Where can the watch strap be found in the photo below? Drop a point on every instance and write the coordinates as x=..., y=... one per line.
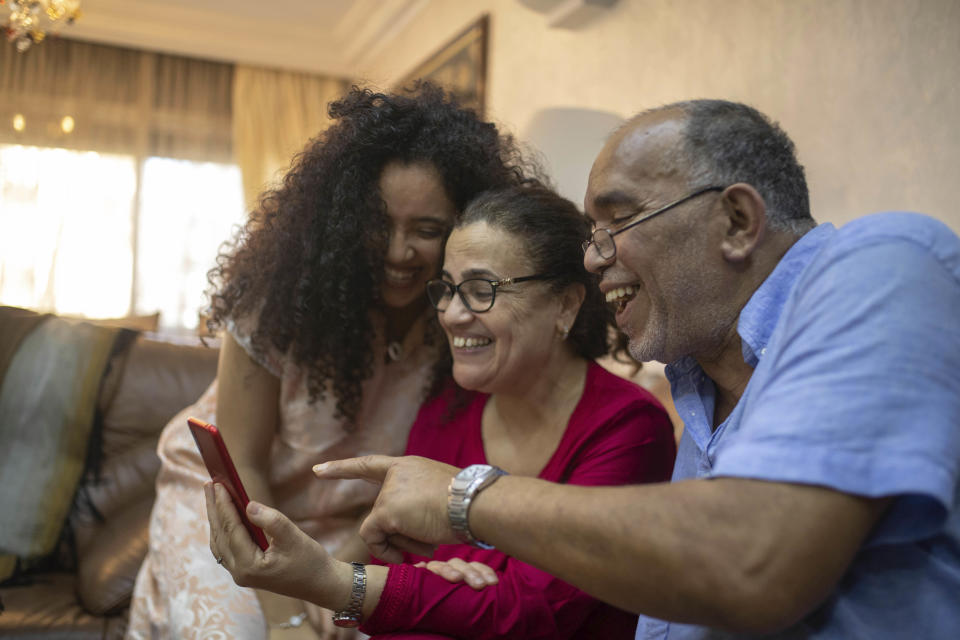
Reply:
x=350, y=616
x=463, y=489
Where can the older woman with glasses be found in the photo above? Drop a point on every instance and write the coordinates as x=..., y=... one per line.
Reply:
x=326, y=350
x=524, y=321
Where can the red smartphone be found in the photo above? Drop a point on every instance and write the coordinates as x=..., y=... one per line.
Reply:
x=214, y=452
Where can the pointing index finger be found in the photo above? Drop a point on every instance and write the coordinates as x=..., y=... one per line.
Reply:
x=370, y=468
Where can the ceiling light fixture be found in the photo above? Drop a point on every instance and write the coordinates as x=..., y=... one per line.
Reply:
x=29, y=21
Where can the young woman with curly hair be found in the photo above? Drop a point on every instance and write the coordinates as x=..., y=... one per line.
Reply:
x=327, y=351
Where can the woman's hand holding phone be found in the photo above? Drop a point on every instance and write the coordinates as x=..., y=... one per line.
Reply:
x=217, y=459
x=294, y=564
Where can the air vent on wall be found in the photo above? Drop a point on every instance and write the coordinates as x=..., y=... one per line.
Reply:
x=568, y=14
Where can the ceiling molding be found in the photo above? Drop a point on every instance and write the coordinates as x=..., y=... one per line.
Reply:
x=376, y=30
x=331, y=37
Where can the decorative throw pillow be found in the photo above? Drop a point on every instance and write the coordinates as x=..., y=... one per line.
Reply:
x=47, y=403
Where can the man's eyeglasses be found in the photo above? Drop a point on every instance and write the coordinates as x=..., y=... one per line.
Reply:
x=602, y=239
x=477, y=294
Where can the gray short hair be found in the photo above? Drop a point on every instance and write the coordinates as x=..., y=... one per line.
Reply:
x=728, y=142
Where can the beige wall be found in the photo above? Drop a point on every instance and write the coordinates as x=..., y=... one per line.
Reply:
x=868, y=89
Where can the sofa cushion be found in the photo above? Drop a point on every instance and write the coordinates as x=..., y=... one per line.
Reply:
x=47, y=608
x=108, y=566
x=148, y=322
x=124, y=478
x=159, y=380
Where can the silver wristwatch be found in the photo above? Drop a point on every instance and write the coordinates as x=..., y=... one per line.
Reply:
x=350, y=617
x=463, y=489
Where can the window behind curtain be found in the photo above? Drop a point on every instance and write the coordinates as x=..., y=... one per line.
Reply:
x=74, y=236
x=187, y=210
x=65, y=229
x=68, y=220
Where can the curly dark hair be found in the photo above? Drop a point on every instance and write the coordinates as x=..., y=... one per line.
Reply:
x=309, y=261
x=552, y=231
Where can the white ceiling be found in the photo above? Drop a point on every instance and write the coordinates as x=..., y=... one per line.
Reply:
x=335, y=37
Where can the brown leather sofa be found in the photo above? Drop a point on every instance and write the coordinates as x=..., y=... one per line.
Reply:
x=87, y=596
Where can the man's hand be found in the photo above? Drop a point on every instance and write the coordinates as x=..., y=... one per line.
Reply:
x=410, y=513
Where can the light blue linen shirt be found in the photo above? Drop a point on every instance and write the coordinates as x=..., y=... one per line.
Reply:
x=855, y=343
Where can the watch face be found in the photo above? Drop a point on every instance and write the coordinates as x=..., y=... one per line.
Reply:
x=469, y=475
x=474, y=471
x=349, y=623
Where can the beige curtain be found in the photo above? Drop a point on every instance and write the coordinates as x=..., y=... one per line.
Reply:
x=72, y=223
x=275, y=113
x=121, y=101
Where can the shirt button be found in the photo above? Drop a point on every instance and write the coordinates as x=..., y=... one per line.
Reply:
x=763, y=351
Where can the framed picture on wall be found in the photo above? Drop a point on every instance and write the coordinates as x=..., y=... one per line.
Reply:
x=460, y=66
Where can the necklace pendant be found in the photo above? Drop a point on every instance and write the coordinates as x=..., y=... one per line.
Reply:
x=394, y=351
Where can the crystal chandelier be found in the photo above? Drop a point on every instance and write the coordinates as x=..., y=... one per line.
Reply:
x=29, y=21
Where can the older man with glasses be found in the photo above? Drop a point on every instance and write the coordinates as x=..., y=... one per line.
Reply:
x=817, y=487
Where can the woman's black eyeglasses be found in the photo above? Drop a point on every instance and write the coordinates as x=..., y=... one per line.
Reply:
x=602, y=239
x=477, y=294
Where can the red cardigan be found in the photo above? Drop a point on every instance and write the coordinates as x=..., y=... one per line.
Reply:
x=618, y=434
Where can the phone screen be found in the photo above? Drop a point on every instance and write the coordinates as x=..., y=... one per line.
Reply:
x=215, y=456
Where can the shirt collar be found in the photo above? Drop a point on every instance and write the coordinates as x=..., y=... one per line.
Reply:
x=761, y=313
